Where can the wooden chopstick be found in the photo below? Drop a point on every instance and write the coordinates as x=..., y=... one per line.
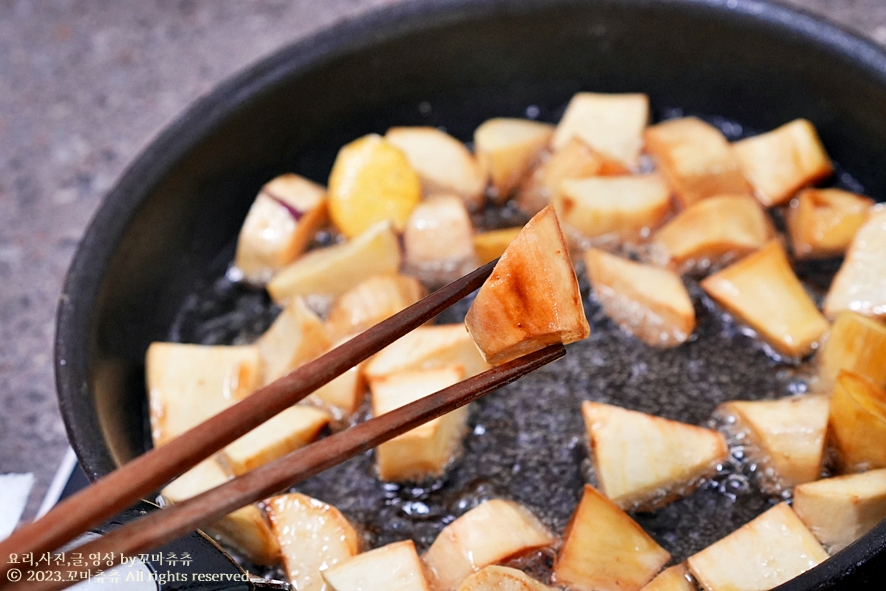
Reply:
x=152, y=470
x=164, y=526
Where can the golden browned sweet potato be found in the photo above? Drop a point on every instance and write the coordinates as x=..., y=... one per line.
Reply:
x=823, y=222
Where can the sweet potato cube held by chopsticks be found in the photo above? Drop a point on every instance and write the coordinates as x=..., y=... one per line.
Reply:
x=780, y=162
x=773, y=548
x=763, y=291
x=532, y=299
x=788, y=435
x=712, y=232
x=487, y=534
x=643, y=461
x=281, y=223
x=696, y=159
x=443, y=163
x=624, y=207
x=840, y=510
x=427, y=449
x=858, y=423
x=395, y=567
x=313, y=537
x=646, y=301
x=823, y=222
x=860, y=284
x=606, y=550
x=611, y=124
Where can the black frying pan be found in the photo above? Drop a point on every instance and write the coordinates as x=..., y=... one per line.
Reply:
x=165, y=233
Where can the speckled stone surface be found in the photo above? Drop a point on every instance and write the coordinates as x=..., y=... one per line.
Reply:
x=84, y=86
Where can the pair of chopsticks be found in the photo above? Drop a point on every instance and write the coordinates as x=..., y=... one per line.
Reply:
x=151, y=471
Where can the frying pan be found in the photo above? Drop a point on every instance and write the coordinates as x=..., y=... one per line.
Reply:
x=167, y=229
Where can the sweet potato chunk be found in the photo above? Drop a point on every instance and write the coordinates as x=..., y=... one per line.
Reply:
x=823, y=222
x=372, y=301
x=188, y=384
x=856, y=343
x=860, y=284
x=487, y=534
x=245, y=529
x=427, y=449
x=626, y=207
x=395, y=567
x=611, y=124
x=675, y=578
x=840, y=510
x=313, y=537
x=712, y=232
x=428, y=347
x=280, y=224
x=491, y=245
x=858, y=423
x=696, y=159
x=506, y=150
x=782, y=161
x=296, y=337
x=519, y=309
x=334, y=270
x=645, y=301
x=773, y=548
x=789, y=434
x=501, y=578
x=762, y=291
x=606, y=550
x=644, y=461
x=576, y=160
x=438, y=241
x=442, y=162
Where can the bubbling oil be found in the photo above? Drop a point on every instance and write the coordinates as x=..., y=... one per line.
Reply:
x=526, y=442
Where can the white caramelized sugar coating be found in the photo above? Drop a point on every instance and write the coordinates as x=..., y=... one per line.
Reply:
x=296, y=337
x=492, y=244
x=531, y=300
x=860, y=284
x=856, y=343
x=789, y=434
x=611, y=124
x=188, y=384
x=487, y=534
x=501, y=578
x=780, y=162
x=280, y=224
x=823, y=222
x=840, y=510
x=428, y=347
x=675, y=578
x=858, y=423
x=371, y=181
x=575, y=160
x=712, y=232
x=442, y=162
x=646, y=301
x=696, y=159
x=395, y=567
x=371, y=301
x=293, y=428
x=334, y=270
x=773, y=548
x=507, y=148
x=427, y=449
x=644, y=461
x=626, y=207
x=313, y=536
x=606, y=550
x=438, y=241
x=762, y=291
x=245, y=529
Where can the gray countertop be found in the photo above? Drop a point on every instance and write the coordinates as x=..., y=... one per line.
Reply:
x=84, y=86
